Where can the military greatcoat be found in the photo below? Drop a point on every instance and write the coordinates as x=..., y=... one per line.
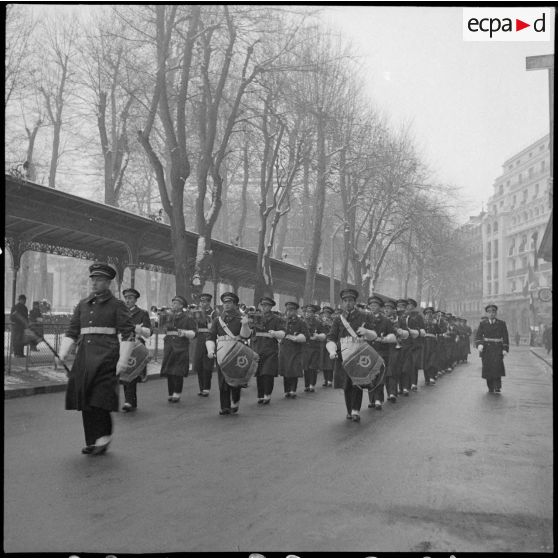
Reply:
x=290, y=352
x=92, y=380
x=176, y=353
x=494, y=339
x=267, y=347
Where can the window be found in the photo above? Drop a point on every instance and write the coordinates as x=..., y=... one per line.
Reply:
x=501, y=189
x=531, y=172
x=502, y=203
x=534, y=237
x=514, y=199
x=512, y=247
x=495, y=249
x=496, y=223
x=513, y=265
x=524, y=196
x=519, y=178
x=495, y=287
x=542, y=165
x=489, y=289
x=489, y=271
x=488, y=250
x=494, y=209
x=523, y=243
x=488, y=228
x=536, y=191
x=507, y=183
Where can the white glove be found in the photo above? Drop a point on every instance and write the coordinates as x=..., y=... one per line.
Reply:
x=65, y=348
x=504, y=353
x=422, y=332
x=143, y=331
x=414, y=333
x=279, y=334
x=210, y=346
x=126, y=348
x=480, y=348
x=321, y=336
x=403, y=333
x=188, y=333
x=331, y=349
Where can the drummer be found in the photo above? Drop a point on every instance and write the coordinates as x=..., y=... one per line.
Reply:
x=237, y=324
x=268, y=330
x=201, y=364
x=142, y=322
x=180, y=329
x=362, y=326
x=290, y=351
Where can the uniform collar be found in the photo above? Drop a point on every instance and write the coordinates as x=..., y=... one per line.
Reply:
x=103, y=296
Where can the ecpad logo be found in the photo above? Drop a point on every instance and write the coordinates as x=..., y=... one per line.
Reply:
x=507, y=24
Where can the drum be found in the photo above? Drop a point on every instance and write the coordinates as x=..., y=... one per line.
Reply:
x=136, y=363
x=362, y=363
x=237, y=361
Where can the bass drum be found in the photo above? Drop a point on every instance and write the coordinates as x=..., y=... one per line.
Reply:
x=362, y=363
x=237, y=362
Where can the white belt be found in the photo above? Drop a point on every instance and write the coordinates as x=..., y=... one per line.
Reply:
x=430, y=335
x=172, y=333
x=493, y=340
x=263, y=334
x=203, y=330
x=98, y=330
x=225, y=338
x=347, y=341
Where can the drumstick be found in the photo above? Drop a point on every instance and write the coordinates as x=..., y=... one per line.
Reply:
x=18, y=317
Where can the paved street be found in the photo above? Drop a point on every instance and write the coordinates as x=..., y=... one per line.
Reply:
x=451, y=468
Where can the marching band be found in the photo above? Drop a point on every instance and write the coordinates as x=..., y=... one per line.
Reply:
x=383, y=347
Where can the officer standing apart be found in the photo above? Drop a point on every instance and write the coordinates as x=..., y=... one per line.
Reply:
x=290, y=352
x=202, y=364
x=180, y=330
x=360, y=323
x=143, y=330
x=493, y=344
x=237, y=324
x=268, y=330
x=93, y=385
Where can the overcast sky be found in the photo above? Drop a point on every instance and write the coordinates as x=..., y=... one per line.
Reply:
x=472, y=105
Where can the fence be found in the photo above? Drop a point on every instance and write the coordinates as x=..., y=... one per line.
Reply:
x=40, y=355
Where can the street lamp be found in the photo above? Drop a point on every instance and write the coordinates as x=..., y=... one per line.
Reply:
x=332, y=275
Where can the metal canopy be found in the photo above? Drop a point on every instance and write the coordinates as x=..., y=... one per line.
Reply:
x=47, y=220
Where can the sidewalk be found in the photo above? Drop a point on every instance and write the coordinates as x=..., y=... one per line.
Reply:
x=541, y=353
x=45, y=379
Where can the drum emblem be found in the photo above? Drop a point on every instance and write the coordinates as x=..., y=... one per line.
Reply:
x=364, y=361
x=132, y=362
x=242, y=361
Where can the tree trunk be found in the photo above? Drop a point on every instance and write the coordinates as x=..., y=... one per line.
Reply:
x=244, y=196
x=319, y=206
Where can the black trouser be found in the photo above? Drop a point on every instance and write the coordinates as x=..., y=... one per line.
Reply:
x=310, y=377
x=289, y=384
x=265, y=384
x=353, y=396
x=175, y=384
x=377, y=394
x=204, y=379
x=494, y=383
x=328, y=375
x=227, y=394
x=391, y=385
x=96, y=423
x=130, y=392
x=203, y=367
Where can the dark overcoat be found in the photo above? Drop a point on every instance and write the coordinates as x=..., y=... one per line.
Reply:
x=383, y=327
x=492, y=354
x=267, y=347
x=312, y=350
x=200, y=360
x=176, y=352
x=290, y=352
x=430, y=359
x=92, y=380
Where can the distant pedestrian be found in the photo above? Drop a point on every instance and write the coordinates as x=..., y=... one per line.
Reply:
x=36, y=324
x=493, y=344
x=92, y=388
x=547, y=339
x=517, y=339
x=19, y=318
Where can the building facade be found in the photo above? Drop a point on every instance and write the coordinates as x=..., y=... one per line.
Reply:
x=512, y=229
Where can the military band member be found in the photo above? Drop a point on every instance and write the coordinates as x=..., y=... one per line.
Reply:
x=416, y=322
x=406, y=334
x=385, y=331
x=452, y=340
x=237, y=324
x=467, y=342
x=290, y=351
x=327, y=363
x=311, y=351
x=360, y=323
x=430, y=357
x=493, y=344
x=92, y=384
x=180, y=328
x=201, y=363
x=443, y=340
x=143, y=330
x=268, y=330
x=393, y=370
